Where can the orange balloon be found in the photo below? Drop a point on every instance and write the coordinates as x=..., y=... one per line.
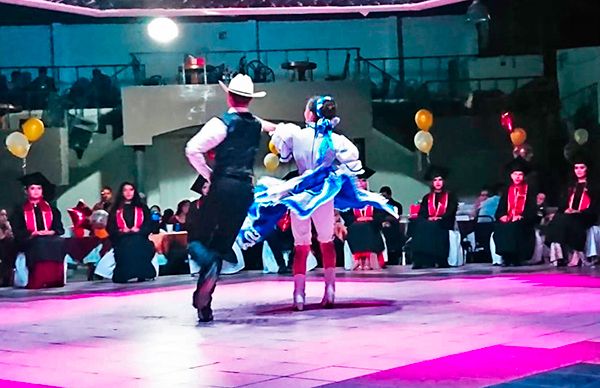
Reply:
x=424, y=119
x=273, y=149
x=33, y=129
x=518, y=136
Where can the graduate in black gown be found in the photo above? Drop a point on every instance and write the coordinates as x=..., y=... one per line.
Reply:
x=37, y=226
x=567, y=232
x=364, y=230
x=514, y=231
x=437, y=215
x=129, y=225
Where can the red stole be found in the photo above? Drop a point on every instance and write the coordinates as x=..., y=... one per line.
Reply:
x=585, y=201
x=138, y=218
x=437, y=210
x=30, y=220
x=517, y=195
x=364, y=215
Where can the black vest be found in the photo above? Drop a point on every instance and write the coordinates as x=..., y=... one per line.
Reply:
x=234, y=157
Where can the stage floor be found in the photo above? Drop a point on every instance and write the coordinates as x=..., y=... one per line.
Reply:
x=468, y=327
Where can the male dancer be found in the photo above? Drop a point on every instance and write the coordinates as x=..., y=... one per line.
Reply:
x=235, y=139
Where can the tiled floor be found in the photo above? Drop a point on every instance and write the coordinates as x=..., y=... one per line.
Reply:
x=474, y=326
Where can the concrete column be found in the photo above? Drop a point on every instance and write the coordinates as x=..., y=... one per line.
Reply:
x=140, y=168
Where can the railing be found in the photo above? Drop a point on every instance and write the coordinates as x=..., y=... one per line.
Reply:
x=461, y=88
x=68, y=87
x=329, y=61
x=581, y=107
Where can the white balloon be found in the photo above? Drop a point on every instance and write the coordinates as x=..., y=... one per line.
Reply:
x=163, y=30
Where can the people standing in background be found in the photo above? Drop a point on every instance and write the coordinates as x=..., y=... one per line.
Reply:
x=105, y=202
x=390, y=227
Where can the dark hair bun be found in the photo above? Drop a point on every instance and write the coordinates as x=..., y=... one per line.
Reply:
x=328, y=110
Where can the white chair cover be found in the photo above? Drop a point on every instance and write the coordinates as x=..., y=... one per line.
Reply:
x=455, y=256
x=592, y=244
x=21, y=275
x=106, y=266
x=348, y=258
x=496, y=258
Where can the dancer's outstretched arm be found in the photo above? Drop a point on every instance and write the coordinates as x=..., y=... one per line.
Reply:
x=267, y=126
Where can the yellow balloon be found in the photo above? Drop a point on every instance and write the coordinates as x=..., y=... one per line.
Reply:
x=271, y=162
x=17, y=144
x=33, y=129
x=424, y=119
x=423, y=141
x=273, y=149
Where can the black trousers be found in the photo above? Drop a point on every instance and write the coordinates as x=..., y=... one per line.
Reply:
x=281, y=241
x=222, y=214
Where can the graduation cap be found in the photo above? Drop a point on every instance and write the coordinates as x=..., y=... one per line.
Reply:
x=37, y=178
x=368, y=172
x=434, y=171
x=580, y=157
x=197, y=185
x=518, y=164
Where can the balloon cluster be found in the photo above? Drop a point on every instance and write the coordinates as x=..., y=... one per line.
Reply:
x=80, y=217
x=84, y=218
x=271, y=160
x=518, y=137
x=423, y=139
x=19, y=143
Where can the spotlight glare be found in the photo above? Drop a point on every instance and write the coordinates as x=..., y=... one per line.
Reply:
x=163, y=30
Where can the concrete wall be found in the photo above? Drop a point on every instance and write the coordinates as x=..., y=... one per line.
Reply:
x=577, y=69
x=155, y=110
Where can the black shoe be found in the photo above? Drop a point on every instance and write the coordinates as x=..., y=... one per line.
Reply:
x=205, y=315
x=416, y=266
x=283, y=271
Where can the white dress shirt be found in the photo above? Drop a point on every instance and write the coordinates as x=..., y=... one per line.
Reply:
x=303, y=146
x=209, y=137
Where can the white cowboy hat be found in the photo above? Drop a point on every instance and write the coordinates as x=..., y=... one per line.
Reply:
x=242, y=85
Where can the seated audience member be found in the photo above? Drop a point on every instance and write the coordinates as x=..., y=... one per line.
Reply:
x=364, y=235
x=483, y=195
x=37, y=226
x=390, y=227
x=437, y=214
x=180, y=219
x=7, y=252
x=281, y=240
x=165, y=223
x=129, y=226
x=156, y=216
x=567, y=232
x=105, y=202
x=514, y=233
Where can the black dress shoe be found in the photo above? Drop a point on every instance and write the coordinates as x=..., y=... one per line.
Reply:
x=205, y=315
x=284, y=271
